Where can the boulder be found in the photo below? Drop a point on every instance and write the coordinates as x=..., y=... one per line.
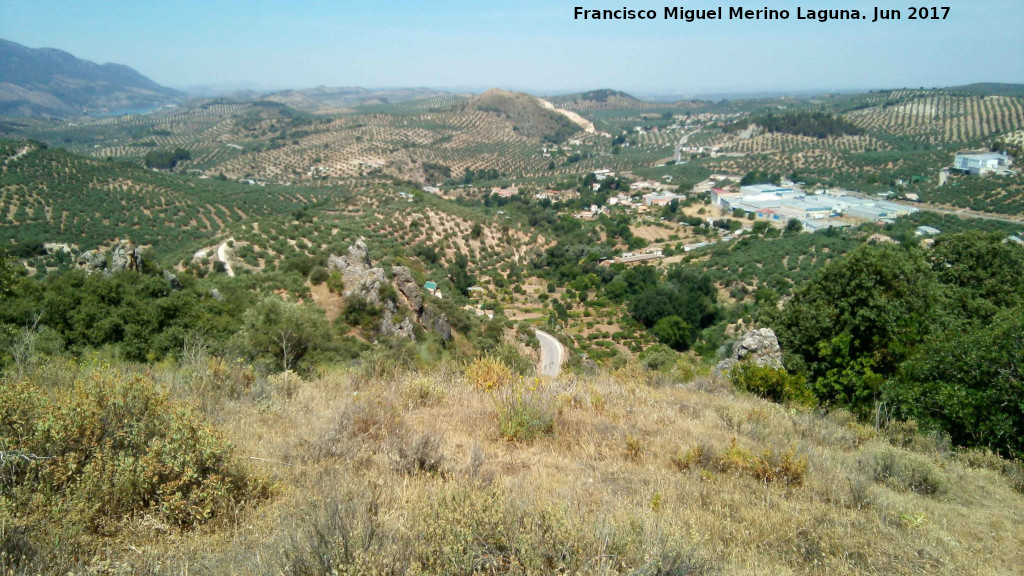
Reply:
x=172, y=280
x=760, y=347
x=92, y=261
x=125, y=256
x=405, y=284
x=443, y=328
x=216, y=295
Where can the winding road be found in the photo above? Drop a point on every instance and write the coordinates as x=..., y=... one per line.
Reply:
x=551, y=353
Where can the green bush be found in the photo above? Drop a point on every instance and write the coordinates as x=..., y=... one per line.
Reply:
x=906, y=471
x=524, y=415
x=89, y=457
x=318, y=275
x=658, y=357
x=773, y=384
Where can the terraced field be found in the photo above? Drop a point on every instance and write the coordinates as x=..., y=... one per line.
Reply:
x=937, y=116
x=49, y=195
x=353, y=146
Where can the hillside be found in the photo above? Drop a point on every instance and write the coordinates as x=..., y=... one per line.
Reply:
x=990, y=89
x=528, y=117
x=386, y=469
x=614, y=100
x=49, y=195
x=50, y=82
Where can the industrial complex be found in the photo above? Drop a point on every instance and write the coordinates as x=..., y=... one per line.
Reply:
x=815, y=210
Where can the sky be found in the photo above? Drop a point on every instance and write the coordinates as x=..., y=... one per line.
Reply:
x=532, y=45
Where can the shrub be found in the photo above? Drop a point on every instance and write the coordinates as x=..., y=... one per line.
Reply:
x=698, y=456
x=774, y=384
x=318, y=275
x=489, y=373
x=335, y=283
x=524, y=415
x=906, y=471
x=421, y=456
x=786, y=467
x=658, y=357
x=344, y=536
x=110, y=447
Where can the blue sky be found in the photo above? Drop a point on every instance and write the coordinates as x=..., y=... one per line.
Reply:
x=531, y=45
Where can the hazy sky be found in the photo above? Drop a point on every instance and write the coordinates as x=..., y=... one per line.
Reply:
x=532, y=45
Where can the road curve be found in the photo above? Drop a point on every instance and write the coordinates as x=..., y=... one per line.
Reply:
x=551, y=353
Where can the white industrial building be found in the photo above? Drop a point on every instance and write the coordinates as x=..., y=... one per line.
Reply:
x=982, y=162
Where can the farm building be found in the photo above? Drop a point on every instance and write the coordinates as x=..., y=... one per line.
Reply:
x=661, y=198
x=982, y=162
x=630, y=257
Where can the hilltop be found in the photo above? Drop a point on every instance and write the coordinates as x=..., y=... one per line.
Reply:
x=527, y=115
x=51, y=82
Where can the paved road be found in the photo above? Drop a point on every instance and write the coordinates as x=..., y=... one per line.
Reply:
x=551, y=353
x=679, y=147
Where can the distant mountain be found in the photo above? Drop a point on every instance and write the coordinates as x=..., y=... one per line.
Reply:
x=50, y=82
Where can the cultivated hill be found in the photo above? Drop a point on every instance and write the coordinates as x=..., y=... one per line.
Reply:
x=50, y=82
x=607, y=99
x=50, y=195
x=990, y=89
x=528, y=116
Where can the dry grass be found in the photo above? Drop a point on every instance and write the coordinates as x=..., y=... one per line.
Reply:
x=412, y=474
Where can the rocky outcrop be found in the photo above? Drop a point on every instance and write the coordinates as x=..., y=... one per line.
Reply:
x=362, y=279
x=388, y=326
x=407, y=286
x=172, y=279
x=440, y=325
x=59, y=248
x=126, y=256
x=92, y=261
x=760, y=347
x=358, y=273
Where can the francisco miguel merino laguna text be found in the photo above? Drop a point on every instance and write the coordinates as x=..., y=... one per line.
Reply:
x=740, y=13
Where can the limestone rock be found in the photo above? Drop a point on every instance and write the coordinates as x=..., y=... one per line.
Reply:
x=760, y=347
x=407, y=287
x=443, y=328
x=357, y=273
x=58, y=248
x=216, y=295
x=172, y=279
x=388, y=327
x=92, y=261
x=126, y=256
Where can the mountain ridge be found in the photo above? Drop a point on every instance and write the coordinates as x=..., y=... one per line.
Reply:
x=52, y=82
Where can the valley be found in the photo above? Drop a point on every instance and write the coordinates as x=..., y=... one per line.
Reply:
x=408, y=330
